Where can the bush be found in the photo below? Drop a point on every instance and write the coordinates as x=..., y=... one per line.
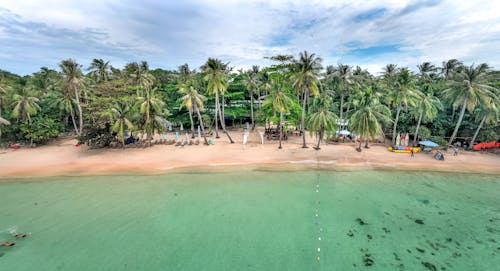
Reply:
x=40, y=129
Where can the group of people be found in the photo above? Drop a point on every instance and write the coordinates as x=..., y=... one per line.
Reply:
x=17, y=236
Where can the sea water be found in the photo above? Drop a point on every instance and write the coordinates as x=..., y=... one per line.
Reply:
x=253, y=220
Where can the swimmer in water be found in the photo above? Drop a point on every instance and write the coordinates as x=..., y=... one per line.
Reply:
x=20, y=235
x=7, y=244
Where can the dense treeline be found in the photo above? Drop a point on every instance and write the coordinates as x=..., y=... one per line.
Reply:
x=100, y=103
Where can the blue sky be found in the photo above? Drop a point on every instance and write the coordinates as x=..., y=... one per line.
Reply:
x=36, y=33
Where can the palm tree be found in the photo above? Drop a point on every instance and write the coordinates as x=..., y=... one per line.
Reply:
x=140, y=75
x=305, y=81
x=369, y=115
x=469, y=89
x=403, y=93
x=100, y=69
x=425, y=68
x=251, y=82
x=118, y=114
x=450, y=68
x=151, y=108
x=390, y=71
x=345, y=78
x=24, y=105
x=321, y=121
x=427, y=109
x=65, y=104
x=488, y=114
x=73, y=81
x=193, y=102
x=279, y=100
x=215, y=75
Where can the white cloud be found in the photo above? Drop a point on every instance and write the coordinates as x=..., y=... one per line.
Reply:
x=171, y=33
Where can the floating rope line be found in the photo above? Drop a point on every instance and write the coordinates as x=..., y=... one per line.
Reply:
x=316, y=215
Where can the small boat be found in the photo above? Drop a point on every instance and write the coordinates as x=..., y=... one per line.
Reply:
x=402, y=149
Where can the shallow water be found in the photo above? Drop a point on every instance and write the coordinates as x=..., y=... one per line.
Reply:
x=370, y=220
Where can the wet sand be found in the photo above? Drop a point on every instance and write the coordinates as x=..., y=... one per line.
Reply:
x=64, y=158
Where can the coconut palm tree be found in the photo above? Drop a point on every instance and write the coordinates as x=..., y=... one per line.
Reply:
x=252, y=82
x=151, y=109
x=100, y=69
x=24, y=105
x=118, y=114
x=321, y=121
x=426, y=109
x=65, y=104
x=403, y=93
x=216, y=76
x=390, y=71
x=450, y=68
x=426, y=68
x=344, y=80
x=469, y=89
x=306, y=81
x=193, y=101
x=367, y=119
x=279, y=100
x=140, y=75
x=73, y=82
x=489, y=115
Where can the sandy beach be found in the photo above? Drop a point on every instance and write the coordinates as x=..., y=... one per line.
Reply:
x=62, y=157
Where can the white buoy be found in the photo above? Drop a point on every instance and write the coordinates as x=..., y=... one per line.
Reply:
x=319, y=238
x=319, y=249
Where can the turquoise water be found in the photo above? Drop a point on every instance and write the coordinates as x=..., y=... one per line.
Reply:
x=253, y=220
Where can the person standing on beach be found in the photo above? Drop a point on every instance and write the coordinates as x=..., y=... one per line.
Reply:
x=455, y=150
x=412, y=153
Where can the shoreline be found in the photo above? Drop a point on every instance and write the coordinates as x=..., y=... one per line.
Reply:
x=62, y=158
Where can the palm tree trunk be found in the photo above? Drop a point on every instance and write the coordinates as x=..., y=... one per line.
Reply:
x=396, y=124
x=418, y=127
x=216, y=112
x=223, y=118
x=477, y=132
x=281, y=127
x=462, y=112
x=341, y=109
x=251, y=110
x=223, y=125
x=192, y=122
x=302, y=120
x=366, y=144
x=359, y=147
x=320, y=136
x=201, y=125
x=80, y=114
x=74, y=121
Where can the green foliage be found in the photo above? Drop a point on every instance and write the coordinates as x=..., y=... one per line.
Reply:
x=40, y=129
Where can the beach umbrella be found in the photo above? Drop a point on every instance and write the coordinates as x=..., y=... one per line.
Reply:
x=343, y=132
x=199, y=133
x=407, y=140
x=176, y=136
x=428, y=143
x=182, y=127
x=398, y=140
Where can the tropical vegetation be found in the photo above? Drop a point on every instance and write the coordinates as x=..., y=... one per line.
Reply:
x=102, y=105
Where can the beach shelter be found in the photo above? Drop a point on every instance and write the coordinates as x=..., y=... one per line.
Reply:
x=343, y=132
x=398, y=140
x=428, y=143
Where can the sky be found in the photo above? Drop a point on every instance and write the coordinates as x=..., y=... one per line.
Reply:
x=167, y=34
